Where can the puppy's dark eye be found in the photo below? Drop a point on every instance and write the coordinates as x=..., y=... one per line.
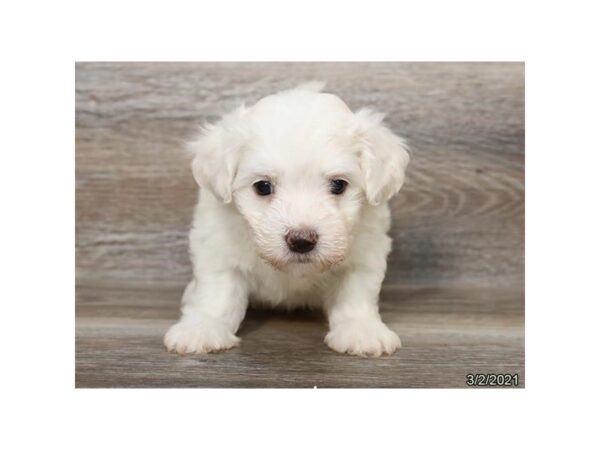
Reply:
x=338, y=187
x=263, y=187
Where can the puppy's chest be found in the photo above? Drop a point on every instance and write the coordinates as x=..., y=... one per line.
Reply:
x=274, y=288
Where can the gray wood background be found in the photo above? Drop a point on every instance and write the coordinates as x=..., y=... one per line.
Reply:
x=455, y=284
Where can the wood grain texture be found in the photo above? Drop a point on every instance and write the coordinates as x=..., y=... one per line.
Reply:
x=459, y=217
x=455, y=283
x=446, y=333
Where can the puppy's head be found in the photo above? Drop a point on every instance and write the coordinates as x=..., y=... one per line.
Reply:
x=300, y=167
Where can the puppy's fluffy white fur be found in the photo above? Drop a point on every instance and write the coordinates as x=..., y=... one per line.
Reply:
x=298, y=141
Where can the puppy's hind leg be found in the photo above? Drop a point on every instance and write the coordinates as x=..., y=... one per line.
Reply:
x=213, y=308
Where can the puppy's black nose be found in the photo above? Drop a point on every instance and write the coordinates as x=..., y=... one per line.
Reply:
x=301, y=241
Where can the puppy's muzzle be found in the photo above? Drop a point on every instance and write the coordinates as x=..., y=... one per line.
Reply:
x=301, y=241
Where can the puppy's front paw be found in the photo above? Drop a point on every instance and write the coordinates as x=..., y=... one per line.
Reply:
x=202, y=336
x=363, y=338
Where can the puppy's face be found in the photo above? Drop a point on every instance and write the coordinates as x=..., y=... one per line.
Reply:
x=301, y=193
x=300, y=167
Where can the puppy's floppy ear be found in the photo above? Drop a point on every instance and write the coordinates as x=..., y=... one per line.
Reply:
x=216, y=151
x=383, y=157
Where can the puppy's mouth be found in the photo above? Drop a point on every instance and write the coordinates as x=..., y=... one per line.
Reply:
x=302, y=258
x=312, y=261
x=290, y=260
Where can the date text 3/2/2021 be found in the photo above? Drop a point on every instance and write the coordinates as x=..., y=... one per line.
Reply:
x=492, y=379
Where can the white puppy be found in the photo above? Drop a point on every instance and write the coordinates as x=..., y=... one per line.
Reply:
x=292, y=212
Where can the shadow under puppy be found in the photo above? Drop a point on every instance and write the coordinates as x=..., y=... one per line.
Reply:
x=292, y=212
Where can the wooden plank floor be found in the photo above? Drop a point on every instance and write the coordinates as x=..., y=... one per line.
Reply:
x=454, y=290
x=446, y=333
